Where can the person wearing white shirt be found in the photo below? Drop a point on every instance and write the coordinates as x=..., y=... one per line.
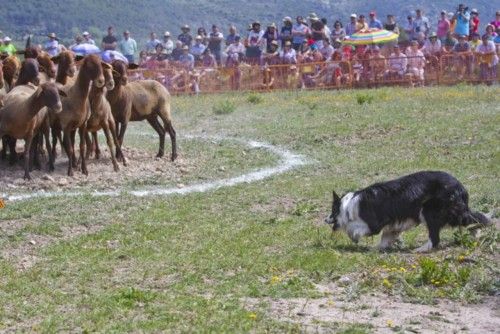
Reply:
x=397, y=64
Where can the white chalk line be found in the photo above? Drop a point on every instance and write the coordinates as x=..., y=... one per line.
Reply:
x=288, y=161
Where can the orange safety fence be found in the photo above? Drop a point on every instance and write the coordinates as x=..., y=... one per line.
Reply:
x=373, y=72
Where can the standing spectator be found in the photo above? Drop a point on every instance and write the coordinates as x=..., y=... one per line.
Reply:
x=449, y=42
x=168, y=44
x=151, y=43
x=271, y=55
x=7, y=47
x=361, y=25
x=462, y=17
x=496, y=21
x=416, y=62
x=299, y=33
x=397, y=64
x=185, y=37
x=198, y=48
x=378, y=65
x=443, y=26
x=52, y=45
x=109, y=42
x=453, y=21
x=186, y=59
x=270, y=35
x=327, y=50
x=78, y=41
x=391, y=24
x=231, y=37
x=317, y=30
x=421, y=23
x=286, y=30
x=432, y=50
x=374, y=22
x=338, y=31
x=87, y=39
x=488, y=60
x=328, y=32
x=177, y=51
x=409, y=28
x=350, y=27
x=215, y=39
x=255, y=43
x=474, y=22
x=203, y=33
x=128, y=46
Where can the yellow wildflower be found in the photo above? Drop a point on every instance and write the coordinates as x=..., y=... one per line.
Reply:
x=387, y=283
x=390, y=323
x=252, y=316
x=275, y=279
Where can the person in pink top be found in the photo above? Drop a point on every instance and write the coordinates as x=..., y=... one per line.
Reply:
x=416, y=62
x=496, y=21
x=443, y=26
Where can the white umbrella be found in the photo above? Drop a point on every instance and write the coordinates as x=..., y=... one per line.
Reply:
x=109, y=55
x=85, y=49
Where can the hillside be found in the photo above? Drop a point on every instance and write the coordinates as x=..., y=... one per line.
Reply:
x=69, y=17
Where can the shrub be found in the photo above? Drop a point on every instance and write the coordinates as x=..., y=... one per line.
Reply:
x=364, y=98
x=254, y=99
x=225, y=107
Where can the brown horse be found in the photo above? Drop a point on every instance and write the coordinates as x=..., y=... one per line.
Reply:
x=75, y=109
x=141, y=100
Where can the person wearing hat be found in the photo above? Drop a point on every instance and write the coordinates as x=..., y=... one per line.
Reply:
x=198, y=48
x=409, y=29
x=443, y=26
x=78, y=41
x=185, y=37
x=463, y=56
x=109, y=42
x=432, y=46
x=177, y=51
x=475, y=41
x=186, y=59
x=215, y=39
x=391, y=25
x=271, y=55
x=286, y=30
x=288, y=55
x=128, y=47
x=7, y=47
x=350, y=28
x=474, y=22
x=374, y=22
x=421, y=23
x=168, y=44
x=318, y=33
x=256, y=43
x=235, y=52
x=270, y=35
x=462, y=17
x=299, y=33
x=151, y=43
x=52, y=45
x=87, y=39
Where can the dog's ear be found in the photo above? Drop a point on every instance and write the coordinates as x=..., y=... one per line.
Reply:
x=336, y=197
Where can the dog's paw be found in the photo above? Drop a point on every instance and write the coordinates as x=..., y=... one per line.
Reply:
x=427, y=247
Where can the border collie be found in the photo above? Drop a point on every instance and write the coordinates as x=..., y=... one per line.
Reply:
x=434, y=198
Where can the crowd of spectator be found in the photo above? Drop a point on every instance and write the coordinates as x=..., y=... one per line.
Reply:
x=421, y=44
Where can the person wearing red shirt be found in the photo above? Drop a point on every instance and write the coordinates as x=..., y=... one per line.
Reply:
x=474, y=22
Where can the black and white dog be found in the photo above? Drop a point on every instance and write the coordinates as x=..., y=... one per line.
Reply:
x=431, y=197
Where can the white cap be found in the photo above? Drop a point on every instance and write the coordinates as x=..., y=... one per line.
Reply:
x=7, y=39
x=354, y=15
x=85, y=33
x=167, y=33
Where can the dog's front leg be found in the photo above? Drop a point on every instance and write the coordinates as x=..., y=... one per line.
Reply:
x=356, y=230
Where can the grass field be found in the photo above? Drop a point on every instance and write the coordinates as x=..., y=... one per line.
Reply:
x=228, y=260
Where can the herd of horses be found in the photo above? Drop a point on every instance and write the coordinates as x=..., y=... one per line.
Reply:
x=44, y=98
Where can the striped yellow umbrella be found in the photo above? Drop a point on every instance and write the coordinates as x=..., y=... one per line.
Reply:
x=371, y=36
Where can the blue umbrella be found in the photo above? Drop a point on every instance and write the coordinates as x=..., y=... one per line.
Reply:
x=85, y=49
x=109, y=55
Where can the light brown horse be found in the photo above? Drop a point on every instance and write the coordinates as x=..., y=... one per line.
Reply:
x=75, y=109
